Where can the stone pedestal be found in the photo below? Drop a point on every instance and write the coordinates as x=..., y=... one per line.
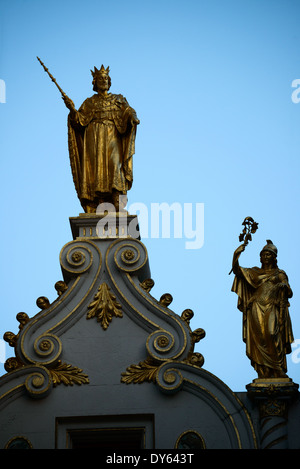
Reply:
x=273, y=397
x=110, y=225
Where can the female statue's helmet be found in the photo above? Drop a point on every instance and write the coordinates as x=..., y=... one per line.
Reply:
x=270, y=247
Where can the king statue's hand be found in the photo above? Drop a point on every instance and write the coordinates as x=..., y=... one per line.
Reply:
x=69, y=103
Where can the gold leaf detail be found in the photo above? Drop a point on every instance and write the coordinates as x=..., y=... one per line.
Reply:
x=187, y=315
x=144, y=371
x=68, y=375
x=104, y=306
x=166, y=299
x=13, y=364
x=197, y=335
x=196, y=359
x=12, y=338
x=147, y=284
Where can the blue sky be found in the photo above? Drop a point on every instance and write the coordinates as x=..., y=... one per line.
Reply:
x=211, y=82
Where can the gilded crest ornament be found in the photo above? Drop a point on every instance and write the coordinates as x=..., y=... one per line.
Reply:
x=104, y=306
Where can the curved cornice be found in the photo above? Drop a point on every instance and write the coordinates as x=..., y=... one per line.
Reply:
x=104, y=280
x=122, y=266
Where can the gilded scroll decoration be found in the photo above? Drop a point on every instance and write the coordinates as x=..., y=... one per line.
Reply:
x=39, y=380
x=148, y=370
x=62, y=373
x=38, y=383
x=104, y=306
x=44, y=346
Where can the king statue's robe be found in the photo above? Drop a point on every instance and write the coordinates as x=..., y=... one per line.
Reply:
x=101, y=137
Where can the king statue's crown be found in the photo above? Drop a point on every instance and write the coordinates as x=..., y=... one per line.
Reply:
x=101, y=70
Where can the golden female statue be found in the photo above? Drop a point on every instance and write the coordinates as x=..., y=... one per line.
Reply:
x=263, y=299
x=101, y=138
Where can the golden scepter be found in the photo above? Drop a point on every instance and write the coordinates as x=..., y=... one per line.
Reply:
x=250, y=227
x=69, y=103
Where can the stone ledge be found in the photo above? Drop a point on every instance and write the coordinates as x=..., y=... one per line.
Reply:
x=272, y=387
x=112, y=225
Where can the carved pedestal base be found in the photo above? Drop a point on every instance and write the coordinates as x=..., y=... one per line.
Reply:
x=273, y=397
x=109, y=225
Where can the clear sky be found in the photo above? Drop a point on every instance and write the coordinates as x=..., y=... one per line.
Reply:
x=211, y=82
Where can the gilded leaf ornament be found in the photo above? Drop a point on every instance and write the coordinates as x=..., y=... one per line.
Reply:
x=144, y=371
x=63, y=373
x=104, y=306
x=68, y=375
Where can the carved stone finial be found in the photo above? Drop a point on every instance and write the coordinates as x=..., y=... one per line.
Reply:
x=166, y=299
x=147, y=284
x=43, y=302
x=60, y=287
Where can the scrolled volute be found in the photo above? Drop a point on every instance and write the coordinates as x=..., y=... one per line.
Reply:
x=48, y=348
x=169, y=378
x=129, y=255
x=38, y=383
x=160, y=345
x=76, y=258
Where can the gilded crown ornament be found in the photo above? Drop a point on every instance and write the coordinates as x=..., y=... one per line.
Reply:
x=101, y=70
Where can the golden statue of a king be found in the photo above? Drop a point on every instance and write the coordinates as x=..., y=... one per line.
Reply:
x=101, y=137
x=263, y=295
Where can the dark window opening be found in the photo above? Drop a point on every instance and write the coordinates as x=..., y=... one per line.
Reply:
x=107, y=438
